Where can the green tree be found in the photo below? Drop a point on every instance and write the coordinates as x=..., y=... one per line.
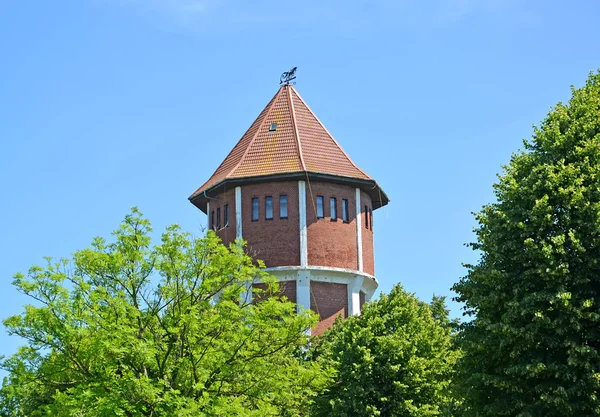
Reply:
x=395, y=359
x=131, y=329
x=531, y=348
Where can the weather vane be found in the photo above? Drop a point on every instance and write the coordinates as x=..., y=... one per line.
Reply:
x=288, y=76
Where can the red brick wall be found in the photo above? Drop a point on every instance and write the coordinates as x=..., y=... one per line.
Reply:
x=276, y=241
x=367, y=235
x=286, y=288
x=328, y=300
x=226, y=233
x=331, y=243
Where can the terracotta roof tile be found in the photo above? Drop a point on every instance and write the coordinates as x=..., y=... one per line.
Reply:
x=272, y=152
x=320, y=151
x=236, y=154
x=300, y=143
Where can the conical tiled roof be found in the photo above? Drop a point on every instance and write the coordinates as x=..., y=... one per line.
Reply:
x=299, y=144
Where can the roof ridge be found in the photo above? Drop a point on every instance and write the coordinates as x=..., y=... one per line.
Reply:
x=295, y=124
x=234, y=147
x=327, y=131
x=255, y=134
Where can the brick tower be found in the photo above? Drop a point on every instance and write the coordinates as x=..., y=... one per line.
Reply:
x=303, y=206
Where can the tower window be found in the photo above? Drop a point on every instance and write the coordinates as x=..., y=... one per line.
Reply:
x=320, y=209
x=333, y=208
x=255, y=209
x=283, y=207
x=226, y=215
x=218, y=218
x=366, y=217
x=212, y=219
x=371, y=218
x=345, y=210
x=269, y=208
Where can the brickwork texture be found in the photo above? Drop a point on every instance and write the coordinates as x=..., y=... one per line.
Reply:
x=328, y=300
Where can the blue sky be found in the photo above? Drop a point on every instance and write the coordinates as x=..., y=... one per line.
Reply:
x=107, y=104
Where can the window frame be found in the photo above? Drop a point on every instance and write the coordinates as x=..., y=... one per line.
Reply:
x=284, y=197
x=345, y=213
x=320, y=215
x=255, y=204
x=333, y=209
x=268, y=199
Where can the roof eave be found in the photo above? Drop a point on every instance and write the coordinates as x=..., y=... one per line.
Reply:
x=370, y=186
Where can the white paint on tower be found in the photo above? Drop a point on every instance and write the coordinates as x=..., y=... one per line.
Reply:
x=238, y=212
x=359, y=232
x=302, y=217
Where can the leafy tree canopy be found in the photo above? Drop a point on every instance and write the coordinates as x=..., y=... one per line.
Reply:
x=395, y=359
x=130, y=329
x=532, y=347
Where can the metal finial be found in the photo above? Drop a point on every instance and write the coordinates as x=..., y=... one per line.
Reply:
x=288, y=76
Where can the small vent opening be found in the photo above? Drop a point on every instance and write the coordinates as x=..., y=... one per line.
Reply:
x=273, y=127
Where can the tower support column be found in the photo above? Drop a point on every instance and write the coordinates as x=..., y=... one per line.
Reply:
x=359, y=232
x=246, y=296
x=354, y=288
x=208, y=216
x=303, y=292
x=238, y=212
x=302, y=217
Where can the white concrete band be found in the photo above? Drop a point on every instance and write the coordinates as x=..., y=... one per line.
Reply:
x=207, y=216
x=327, y=274
x=321, y=270
x=302, y=217
x=359, y=232
x=238, y=212
x=354, y=288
